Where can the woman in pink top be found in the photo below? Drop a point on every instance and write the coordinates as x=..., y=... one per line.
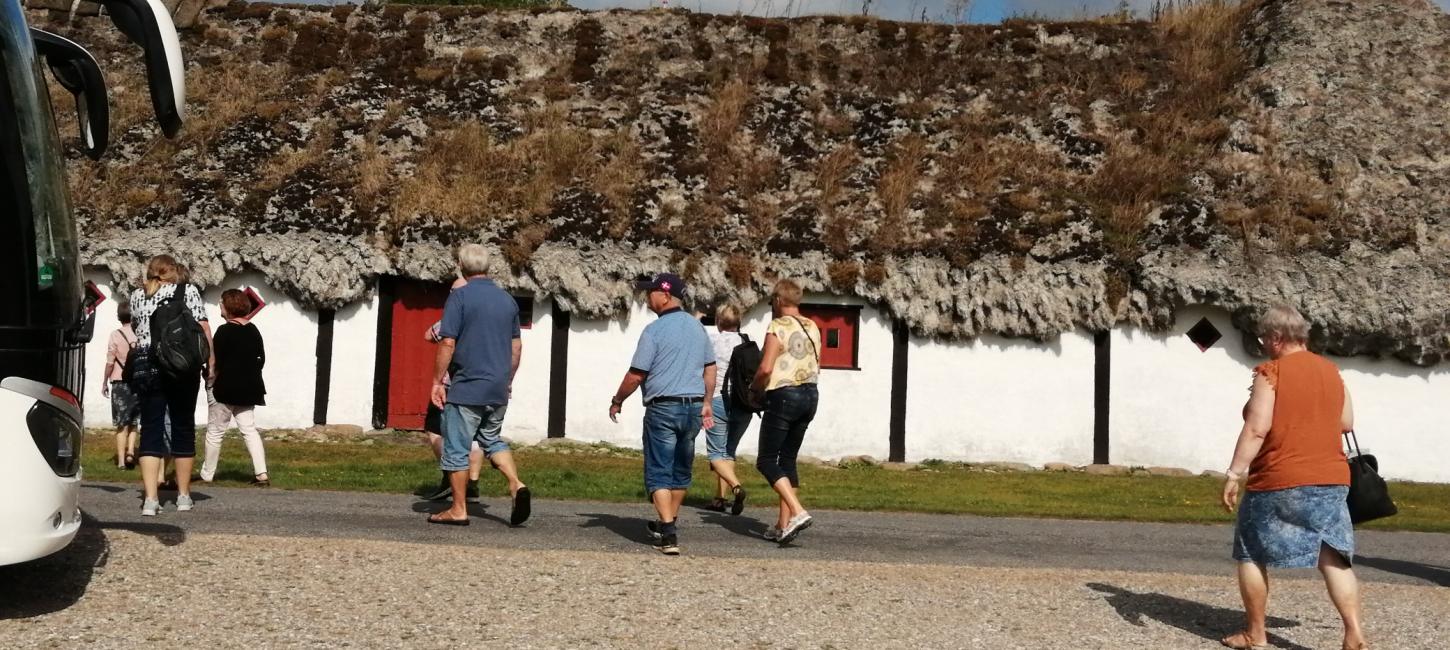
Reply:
x=125, y=407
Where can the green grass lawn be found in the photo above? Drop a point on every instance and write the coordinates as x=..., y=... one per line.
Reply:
x=409, y=468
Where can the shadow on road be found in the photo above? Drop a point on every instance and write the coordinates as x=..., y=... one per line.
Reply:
x=54, y=583
x=475, y=509
x=1433, y=574
x=743, y=526
x=630, y=528
x=1206, y=621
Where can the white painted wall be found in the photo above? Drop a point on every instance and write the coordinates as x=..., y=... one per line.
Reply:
x=528, y=416
x=1401, y=416
x=997, y=399
x=599, y=354
x=1172, y=405
x=354, y=360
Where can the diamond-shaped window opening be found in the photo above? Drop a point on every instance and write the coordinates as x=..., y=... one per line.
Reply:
x=1204, y=334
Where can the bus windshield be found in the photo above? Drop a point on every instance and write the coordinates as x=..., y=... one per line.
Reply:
x=40, y=256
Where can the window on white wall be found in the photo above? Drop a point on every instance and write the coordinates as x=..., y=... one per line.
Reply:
x=840, y=334
x=526, y=311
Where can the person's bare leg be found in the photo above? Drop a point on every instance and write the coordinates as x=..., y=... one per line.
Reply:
x=725, y=476
x=1344, y=593
x=459, y=481
x=150, y=473
x=1254, y=589
x=183, y=474
x=663, y=500
x=121, y=447
x=132, y=433
x=677, y=499
x=475, y=464
x=435, y=442
x=504, y=461
x=161, y=470
x=790, y=505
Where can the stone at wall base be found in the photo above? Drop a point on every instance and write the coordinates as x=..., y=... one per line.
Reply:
x=1059, y=467
x=899, y=467
x=856, y=460
x=1212, y=474
x=1107, y=470
x=1169, y=471
x=1005, y=467
x=809, y=460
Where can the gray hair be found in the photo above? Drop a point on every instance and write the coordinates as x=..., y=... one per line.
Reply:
x=472, y=259
x=1284, y=323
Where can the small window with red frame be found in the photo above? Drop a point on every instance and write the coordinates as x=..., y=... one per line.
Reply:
x=840, y=334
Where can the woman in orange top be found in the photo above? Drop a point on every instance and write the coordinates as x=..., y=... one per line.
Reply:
x=1294, y=514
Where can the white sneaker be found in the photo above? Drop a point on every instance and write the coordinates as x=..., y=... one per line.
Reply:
x=794, y=527
x=184, y=503
x=150, y=507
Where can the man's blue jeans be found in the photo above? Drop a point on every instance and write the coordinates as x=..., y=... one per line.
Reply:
x=669, y=444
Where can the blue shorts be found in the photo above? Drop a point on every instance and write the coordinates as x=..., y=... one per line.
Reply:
x=465, y=425
x=723, y=439
x=669, y=444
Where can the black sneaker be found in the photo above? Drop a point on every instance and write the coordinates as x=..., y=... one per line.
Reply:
x=738, y=505
x=670, y=545
x=471, y=494
x=443, y=493
x=654, y=531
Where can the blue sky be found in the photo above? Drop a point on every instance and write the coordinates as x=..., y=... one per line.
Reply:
x=986, y=11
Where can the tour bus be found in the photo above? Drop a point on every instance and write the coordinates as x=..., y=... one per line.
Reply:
x=46, y=311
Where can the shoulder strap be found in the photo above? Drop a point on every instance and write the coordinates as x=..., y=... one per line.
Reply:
x=130, y=340
x=807, y=332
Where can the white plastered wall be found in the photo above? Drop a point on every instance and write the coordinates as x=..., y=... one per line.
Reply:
x=997, y=399
x=354, y=361
x=1172, y=405
x=528, y=416
x=1401, y=415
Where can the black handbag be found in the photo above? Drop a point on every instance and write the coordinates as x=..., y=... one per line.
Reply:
x=1369, y=497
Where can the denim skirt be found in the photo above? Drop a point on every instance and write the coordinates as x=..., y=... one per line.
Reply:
x=1285, y=528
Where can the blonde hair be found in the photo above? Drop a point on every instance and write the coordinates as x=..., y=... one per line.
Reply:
x=1285, y=324
x=472, y=259
x=161, y=269
x=727, y=317
x=788, y=293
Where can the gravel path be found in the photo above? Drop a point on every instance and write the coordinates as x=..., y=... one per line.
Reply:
x=153, y=586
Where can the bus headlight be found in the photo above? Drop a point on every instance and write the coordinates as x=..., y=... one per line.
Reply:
x=57, y=436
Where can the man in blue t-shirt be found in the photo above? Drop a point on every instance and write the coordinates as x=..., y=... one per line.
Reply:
x=478, y=349
x=676, y=364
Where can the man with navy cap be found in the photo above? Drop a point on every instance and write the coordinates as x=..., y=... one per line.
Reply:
x=676, y=365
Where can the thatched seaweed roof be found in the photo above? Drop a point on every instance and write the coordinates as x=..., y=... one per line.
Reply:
x=1023, y=179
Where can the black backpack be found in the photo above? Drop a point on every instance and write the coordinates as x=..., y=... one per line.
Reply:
x=744, y=360
x=178, y=345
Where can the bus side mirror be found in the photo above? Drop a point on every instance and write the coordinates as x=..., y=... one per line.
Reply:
x=77, y=72
x=148, y=25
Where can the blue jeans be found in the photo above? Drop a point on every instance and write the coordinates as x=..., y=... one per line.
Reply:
x=788, y=411
x=723, y=439
x=462, y=425
x=173, y=401
x=669, y=444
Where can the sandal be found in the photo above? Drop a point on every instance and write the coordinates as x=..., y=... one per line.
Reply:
x=738, y=506
x=1240, y=641
x=130, y=461
x=438, y=518
x=258, y=481
x=718, y=505
x=521, y=507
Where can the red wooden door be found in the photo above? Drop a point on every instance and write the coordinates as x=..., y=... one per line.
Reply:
x=416, y=306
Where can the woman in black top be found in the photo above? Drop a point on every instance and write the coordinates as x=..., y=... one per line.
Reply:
x=238, y=388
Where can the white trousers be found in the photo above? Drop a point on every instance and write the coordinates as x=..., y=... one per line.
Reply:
x=219, y=417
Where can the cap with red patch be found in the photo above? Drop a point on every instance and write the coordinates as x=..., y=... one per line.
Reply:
x=666, y=282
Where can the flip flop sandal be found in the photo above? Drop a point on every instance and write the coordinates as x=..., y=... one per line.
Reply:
x=718, y=505
x=130, y=461
x=433, y=519
x=1246, y=645
x=520, y=512
x=261, y=482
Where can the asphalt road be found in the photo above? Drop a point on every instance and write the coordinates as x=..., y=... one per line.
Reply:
x=1407, y=558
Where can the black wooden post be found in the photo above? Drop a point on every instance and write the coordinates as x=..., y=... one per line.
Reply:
x=1102, y=382
x=558, y=370
x=323, y=390
x=900, y=341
